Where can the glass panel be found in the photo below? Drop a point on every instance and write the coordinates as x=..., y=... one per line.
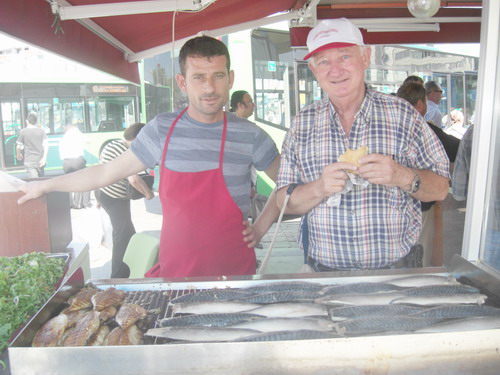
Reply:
x=108, y=114
x=11, y=126
x=470, y=98
x=491, y=252
x=442, y=80
x=273, y=77
x=308, y=88
x=43, y=109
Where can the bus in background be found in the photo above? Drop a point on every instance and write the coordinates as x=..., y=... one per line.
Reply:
x=102, y=112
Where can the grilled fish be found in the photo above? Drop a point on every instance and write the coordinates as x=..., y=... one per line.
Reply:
x=82, y=300
x=83, y=330
x=287, y=286
x=290, y=310
x=208, y=320
x=360, y=298
x=51, y=332
x=359, y=311
x=273, y=297
x=107, y=313
x=465, y=324
x=131, y=336
x=212, y=307
x=422, y=280
x=129, y=314
x=287, y=324
x=459, y=311
x=108, y=297
x=212, y=295
x=74, y=316
x=440, y=289
x=302, y=334
x=442, y=299
x=113, y=337
x=99, y=337
x=201, y=334
x=358, y=288
x=377, y=324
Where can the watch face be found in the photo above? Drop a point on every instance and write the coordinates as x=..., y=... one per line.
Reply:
x=416, y=184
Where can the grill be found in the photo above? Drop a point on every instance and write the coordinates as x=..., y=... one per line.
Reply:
x=457, y=352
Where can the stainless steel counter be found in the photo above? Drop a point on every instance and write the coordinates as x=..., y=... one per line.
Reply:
x=468, y=352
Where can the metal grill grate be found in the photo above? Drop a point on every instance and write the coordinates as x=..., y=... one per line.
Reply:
x=157, y=305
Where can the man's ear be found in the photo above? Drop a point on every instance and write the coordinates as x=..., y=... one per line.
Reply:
x=421, y=107
x=231, y=79
x=367, y=52
x=181, y=81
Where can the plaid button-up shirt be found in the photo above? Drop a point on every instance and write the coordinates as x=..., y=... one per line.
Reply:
x=375, y=226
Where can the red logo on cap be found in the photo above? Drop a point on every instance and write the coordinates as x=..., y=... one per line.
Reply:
x=321, y=33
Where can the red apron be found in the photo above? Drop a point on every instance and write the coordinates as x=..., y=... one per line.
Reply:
x=202, y=225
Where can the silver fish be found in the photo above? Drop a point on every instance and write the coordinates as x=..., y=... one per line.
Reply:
x=421, y=280
x=302, y=334
x=287, y=296
x=377, y=324
x=351, y=312
x=208, y=320
x=357, y=288
x=287, y=324
x=212, y=307
x=201, y=334
x=440, y=289
x=465, y=324
x=290, y=310
x=212, y=295
x=459, y=311
x=360, y=298
x=441, y=299
x=286, y=286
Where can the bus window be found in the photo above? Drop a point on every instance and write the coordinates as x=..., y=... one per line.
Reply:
x=107, y=114
x=11, y=125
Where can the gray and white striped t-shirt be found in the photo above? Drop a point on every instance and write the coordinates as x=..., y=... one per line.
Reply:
x=195, y=146
x=111, y=151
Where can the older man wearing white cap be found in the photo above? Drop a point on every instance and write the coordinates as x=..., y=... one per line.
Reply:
x=364, y=213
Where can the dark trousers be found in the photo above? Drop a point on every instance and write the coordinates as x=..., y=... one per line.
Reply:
x=120, y=216
x=78, y=200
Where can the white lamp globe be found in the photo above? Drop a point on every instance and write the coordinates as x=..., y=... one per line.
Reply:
x=423, y=8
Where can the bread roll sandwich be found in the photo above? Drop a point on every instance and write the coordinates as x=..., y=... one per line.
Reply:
x=353, y=156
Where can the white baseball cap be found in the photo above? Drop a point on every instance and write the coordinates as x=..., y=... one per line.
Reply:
x=334, y=33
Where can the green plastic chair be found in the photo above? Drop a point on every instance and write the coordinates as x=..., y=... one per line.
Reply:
x=141, y=254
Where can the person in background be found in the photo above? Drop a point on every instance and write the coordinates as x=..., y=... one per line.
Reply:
x=242, y=104
x=456, y=128
x=375, y=220
x=32, y=145
x=413, y=78
x=434, y=96
x=432, y=232
x=205, y=155
x=71, y=152
x=461, y=169
x=114, y=199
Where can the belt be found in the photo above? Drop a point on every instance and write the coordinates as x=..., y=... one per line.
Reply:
x=411, y=260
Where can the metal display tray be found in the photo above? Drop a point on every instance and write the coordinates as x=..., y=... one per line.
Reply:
x=468, y=352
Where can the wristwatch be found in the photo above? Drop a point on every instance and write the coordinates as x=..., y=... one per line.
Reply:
x=415, y=184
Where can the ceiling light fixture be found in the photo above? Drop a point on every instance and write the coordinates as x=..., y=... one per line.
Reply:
x=423, y=8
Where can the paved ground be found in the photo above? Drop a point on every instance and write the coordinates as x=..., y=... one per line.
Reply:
x=92, y=225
